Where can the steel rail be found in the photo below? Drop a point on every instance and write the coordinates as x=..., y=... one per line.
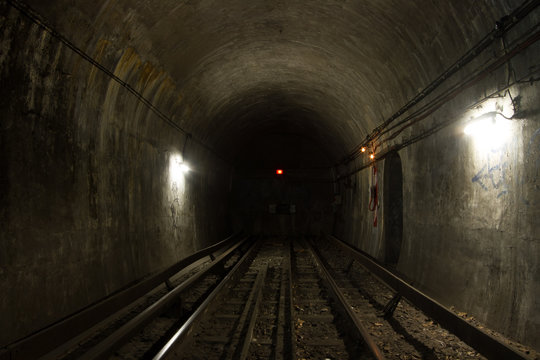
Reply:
x=350, y=315
x=121, y=335
x=240, y=345
x=172, y=347
x=290, y=324
x=281, y=322
x=484, y=343
x=54, y=336
x=285, y=347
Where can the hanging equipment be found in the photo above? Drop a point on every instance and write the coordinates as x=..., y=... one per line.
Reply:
x=374, y=195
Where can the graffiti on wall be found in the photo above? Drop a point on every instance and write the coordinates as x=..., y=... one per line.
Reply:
x=493, y=176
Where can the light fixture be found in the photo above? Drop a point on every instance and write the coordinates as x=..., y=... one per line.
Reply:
x=363, y=149
x=489, y=130
x=184, y=168
x=177, y=169
x=372, y=156
x=279, y=171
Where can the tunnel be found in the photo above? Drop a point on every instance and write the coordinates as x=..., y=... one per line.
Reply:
x=135, y=133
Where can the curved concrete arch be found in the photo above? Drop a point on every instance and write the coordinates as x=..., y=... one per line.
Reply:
x=359, y=55
x=98, y=117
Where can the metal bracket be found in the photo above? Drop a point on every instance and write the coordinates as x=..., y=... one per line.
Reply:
x=391, y=306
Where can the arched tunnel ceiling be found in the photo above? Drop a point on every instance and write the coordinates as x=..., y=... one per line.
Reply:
x=331, y=69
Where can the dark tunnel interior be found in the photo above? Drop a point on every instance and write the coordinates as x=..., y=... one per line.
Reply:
x=407, y=129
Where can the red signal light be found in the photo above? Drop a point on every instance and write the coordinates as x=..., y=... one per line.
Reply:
x=279, y=172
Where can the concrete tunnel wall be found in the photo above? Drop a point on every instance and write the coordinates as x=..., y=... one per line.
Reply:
x=93, y=198
x=89, y=202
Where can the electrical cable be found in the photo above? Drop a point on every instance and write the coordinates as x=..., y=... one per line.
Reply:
x=452, y=92
x=429, y=105
x=424, y=111
x=502, y=26
x=437, y=127
x=476, y=72
x=36, y=19
x=499, y=62
x=526, y=79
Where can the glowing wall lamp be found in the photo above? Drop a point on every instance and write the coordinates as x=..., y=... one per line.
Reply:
x=184, y=168
x=177, y=169
x=489, y=130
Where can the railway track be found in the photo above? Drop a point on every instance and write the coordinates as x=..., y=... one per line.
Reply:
x=272, y=298
x=324, y=325
x=280, y=307
x=399, y=328
x=404, y=322
x=244, y=320
x=140, y=330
